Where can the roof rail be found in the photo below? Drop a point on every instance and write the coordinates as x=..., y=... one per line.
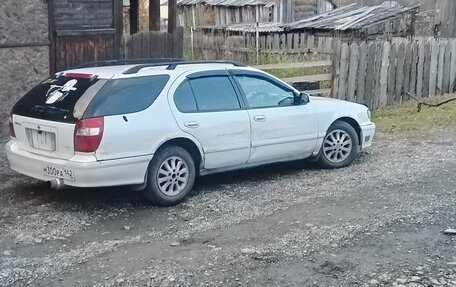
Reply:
x=171, y=65
x=127, y=62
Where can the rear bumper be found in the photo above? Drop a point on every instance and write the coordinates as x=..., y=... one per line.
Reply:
x=367, y=135
x=87, y=171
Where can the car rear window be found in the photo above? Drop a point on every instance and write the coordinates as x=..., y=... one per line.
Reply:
x=55, y=99
x=123, y=96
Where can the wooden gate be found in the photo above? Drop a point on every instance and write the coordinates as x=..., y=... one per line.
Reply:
x=153, y=44
x=83, y=31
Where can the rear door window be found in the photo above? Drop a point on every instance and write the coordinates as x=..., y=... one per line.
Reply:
x=184, y=99
x=124, y=96
x=55, y=99
x=214, y=93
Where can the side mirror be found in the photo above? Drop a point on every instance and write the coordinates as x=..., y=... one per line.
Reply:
x=302, y=99
x=305, y=98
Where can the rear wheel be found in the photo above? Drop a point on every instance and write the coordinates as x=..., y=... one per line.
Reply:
x=171, y=176
x=340, y=146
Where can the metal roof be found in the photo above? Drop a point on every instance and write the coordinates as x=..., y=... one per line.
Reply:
x=351, y=17
x=262, y=27
x=266, y=3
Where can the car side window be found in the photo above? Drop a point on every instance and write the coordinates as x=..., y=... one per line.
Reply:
x=124, y=96
x=184, y=99
x=261, y=93
x=214, y=93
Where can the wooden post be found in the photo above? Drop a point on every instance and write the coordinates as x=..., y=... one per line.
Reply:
x=118, y=25
x=52, y=39
x=154, y=15
x=171, y=15
x=134, y=16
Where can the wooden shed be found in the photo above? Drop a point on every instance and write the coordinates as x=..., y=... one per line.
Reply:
x=363, y=22
x=199, y=13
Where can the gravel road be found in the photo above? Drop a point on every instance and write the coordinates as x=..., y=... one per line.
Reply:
x=379, y=222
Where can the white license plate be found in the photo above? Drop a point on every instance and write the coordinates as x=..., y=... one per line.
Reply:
x=41, y=139
x=58, y=172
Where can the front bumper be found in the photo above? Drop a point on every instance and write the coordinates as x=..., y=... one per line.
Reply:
x=367, y=135
x=88, y=172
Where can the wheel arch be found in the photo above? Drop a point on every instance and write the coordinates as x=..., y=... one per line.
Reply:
x=351, y=121
x=190, y=146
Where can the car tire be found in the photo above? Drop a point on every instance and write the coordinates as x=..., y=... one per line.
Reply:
x=340, y=146
x=171, y=175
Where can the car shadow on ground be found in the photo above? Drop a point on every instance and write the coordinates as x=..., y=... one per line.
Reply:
x=123, y=196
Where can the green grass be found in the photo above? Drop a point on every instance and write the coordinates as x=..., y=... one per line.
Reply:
x=405, y=117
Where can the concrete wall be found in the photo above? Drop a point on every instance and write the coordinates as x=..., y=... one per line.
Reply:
x=21, y=22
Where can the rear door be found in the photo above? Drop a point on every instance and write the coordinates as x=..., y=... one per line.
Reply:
x=44, y=119
x=207, y=107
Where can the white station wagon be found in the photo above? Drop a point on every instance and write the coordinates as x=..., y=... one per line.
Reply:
x=157, y=126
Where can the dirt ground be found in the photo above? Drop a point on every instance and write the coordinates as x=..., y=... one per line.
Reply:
x=379, y=222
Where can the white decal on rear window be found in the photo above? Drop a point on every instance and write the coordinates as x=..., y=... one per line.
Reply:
x=58, y=93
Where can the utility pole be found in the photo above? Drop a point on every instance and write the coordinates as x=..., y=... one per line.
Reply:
x=154, y=15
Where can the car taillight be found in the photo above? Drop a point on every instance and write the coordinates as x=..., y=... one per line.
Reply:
x=79, y=75
x=11, y=126
x=88, y=134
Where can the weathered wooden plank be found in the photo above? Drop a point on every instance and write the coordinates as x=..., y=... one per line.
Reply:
x=178, y=42
x=303, y=41
x=128, y=47
x=328, y=45
x=136, y=46
x=145, y=45
x=391, y=89
x=407, y=67
x=434, y=63
x=283, y=41
x=289, y=41
x=310, y=41
x=262, y=42
x=419, y=71
x=446, y=68
x=378, y=69
x=313, y=64
x=362, y=73
x=335, y=69
x=400, y=73
x=295, y=41
x=413, y=68
x=309, y=78
x=427, y=69
x=453, y=67
x=370, y=75
x=384, y=75
x=353, y=72
x=440, y=68
x=343, y=78
x=276, y=41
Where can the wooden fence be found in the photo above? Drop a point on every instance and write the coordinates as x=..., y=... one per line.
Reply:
x=380, y=73
x=256, y=49
x=153, y=44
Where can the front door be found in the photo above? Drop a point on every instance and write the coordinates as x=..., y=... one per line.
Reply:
x=280, y=129
x=209, y=109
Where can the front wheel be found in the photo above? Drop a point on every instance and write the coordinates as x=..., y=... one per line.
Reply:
x=171, y=176
x=340, y=146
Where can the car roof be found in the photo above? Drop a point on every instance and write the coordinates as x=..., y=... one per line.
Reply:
x=122, y=71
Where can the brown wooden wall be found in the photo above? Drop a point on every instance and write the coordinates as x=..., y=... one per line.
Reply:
x=84, y=31
x=83, y=14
